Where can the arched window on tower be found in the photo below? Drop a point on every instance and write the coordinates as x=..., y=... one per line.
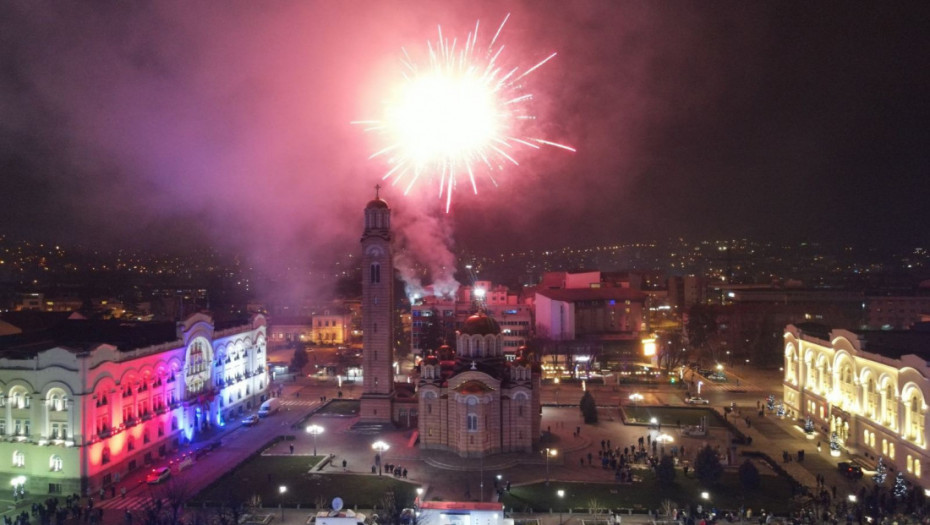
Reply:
x=375, y=271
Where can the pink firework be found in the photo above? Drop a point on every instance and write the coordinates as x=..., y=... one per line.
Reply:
x=460, y=114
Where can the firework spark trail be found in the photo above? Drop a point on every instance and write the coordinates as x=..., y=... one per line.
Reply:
x=464, y=108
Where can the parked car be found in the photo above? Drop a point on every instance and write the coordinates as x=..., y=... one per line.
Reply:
x=250, y=420
x=158, y=475
x=849, y=469
x=697, y=401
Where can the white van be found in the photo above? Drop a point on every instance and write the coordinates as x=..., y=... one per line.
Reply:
x=269, y=407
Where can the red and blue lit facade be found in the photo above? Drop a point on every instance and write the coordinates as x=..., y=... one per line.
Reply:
x=75, y=419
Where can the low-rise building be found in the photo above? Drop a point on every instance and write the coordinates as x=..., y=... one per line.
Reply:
x=82, y=403
x=869, y=387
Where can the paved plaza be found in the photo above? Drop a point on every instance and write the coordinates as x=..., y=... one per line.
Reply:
x=444, y=476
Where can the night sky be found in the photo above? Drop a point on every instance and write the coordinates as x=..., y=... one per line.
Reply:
x=173, y=124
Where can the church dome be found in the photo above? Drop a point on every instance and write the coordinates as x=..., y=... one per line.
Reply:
x=445, y=353
x=480, y=324
x=376, y=204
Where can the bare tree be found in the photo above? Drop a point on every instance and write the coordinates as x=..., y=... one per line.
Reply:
x=668, y=507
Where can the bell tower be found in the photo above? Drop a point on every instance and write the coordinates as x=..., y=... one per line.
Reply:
x=377, y=313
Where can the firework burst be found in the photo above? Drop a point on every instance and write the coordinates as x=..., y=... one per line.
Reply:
x=461, y=114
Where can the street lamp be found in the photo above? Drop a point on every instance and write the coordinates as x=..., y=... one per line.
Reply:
x=549, y=452
x=381, y=447
x=314, y=430
x=281, y=490
x=705, y=495
x=561, y=494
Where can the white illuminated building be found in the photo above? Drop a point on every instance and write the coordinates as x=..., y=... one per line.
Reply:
x=869, y=387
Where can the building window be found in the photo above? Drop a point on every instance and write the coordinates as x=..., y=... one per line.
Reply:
x=375, y=273
x=19, y=459
x=55, y=463
x=472, y=422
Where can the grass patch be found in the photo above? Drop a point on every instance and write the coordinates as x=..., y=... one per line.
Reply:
x=263, y=475
x=671, y=416
x=774, y=494
x=340, y=407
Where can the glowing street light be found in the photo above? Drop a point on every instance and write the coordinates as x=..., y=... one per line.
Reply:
x=381, y=447
x=314, y=430
x=705, y=495
x=561, y=494
x=281, y=490
x=549, y=452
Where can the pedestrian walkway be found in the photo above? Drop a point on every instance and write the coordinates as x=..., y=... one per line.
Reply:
x=129, y=503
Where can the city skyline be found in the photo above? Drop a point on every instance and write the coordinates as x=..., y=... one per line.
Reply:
x=173, y=125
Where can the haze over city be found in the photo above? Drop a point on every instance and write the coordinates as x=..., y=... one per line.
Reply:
x=174, y=125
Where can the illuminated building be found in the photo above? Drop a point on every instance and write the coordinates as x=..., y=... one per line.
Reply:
x=331, y=328
x=472, y=401
x=285, y=330
x=435, y=319
x=869, y=387
x=590, y=324
x=83, y=403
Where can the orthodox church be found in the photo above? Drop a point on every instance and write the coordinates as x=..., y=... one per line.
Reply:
x=469, y=400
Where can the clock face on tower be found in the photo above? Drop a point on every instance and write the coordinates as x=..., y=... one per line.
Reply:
x=374, y=251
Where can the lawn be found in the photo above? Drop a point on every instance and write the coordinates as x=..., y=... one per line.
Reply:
x=340, y=407
x=670, y=417
x=263, y=476
x=774, y=494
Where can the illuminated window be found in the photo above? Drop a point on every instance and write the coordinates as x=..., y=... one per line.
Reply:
x=55, y=463
x=891, y=450
x=917, y=467
x=885, y=447
x=19, y=459
x=910, y=463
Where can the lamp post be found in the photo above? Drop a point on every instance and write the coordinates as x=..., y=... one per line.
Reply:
x=549, y=452
x=561, y=494
x=314, y=430
x=381, y=447
x=281, y=490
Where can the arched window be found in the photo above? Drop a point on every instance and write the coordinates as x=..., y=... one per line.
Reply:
x=375, y=271
x=55, y=463
x=19, y=459
x=472, y=422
